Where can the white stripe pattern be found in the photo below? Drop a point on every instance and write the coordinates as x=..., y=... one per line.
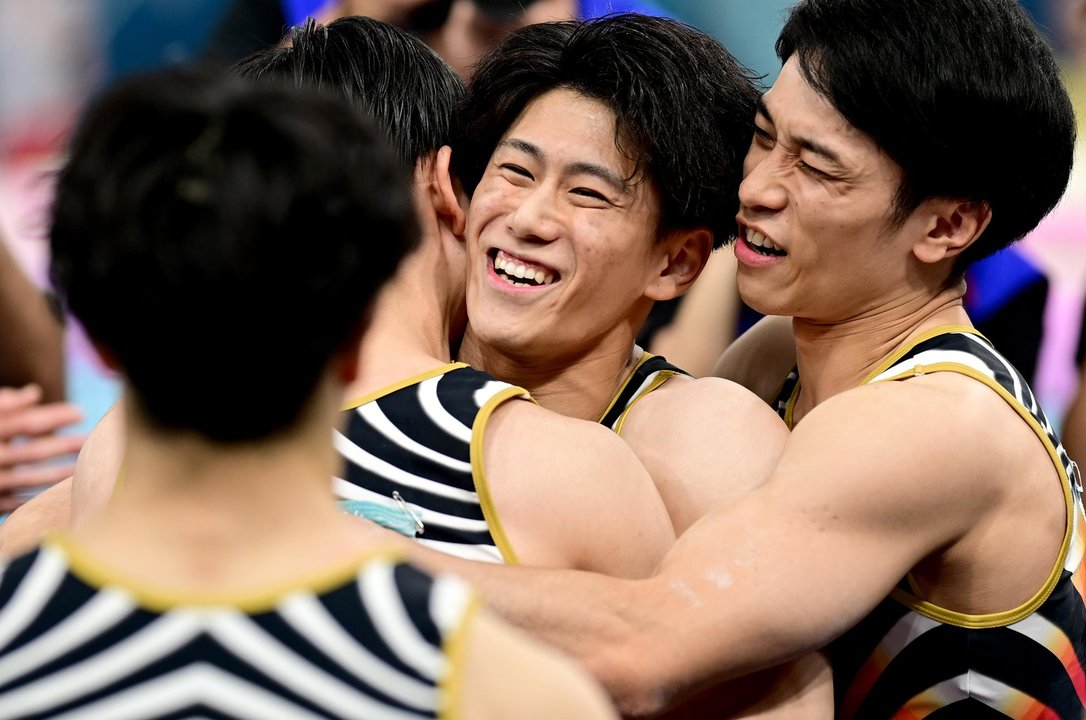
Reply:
x=99, y=614
x=310, y=619
x=222, y=658
x=372, y=414
x=109, y=666
x=40, y=583
x=487, y=392
x=395, y=627
x=198, y=684
x=437, y=412
x=239, y=634
x=379, y=467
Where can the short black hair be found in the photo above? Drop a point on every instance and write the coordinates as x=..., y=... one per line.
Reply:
x=223, y=240
x=410, y=91
x=964, y=95
x=684, y=107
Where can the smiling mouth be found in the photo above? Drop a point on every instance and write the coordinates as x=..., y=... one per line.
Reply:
x=521, y=273
x=761, y=244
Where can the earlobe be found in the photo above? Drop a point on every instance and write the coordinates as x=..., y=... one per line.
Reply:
x=954, y=226
x=684, y=255
x=444, y=192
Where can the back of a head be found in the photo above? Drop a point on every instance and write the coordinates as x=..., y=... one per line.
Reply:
x=684, y=108
x=408, y=90
x=223, y=241
x=964, y=95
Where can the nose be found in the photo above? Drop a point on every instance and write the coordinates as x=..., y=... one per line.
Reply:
x=761, y=188
x=536, y=219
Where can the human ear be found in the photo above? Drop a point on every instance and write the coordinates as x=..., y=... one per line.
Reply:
x=444, y=192
x=683, y=254
x=951, y=227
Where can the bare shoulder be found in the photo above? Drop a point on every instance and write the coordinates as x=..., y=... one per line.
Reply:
x=761, y=358
x=49, y=512
x=509, y=675
x=686, y=400
x=571, y=493
x=909, y=439
x=705, y=442
x=98, y=465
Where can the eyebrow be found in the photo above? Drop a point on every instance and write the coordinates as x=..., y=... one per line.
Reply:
x=578, y=168
x=805, y=143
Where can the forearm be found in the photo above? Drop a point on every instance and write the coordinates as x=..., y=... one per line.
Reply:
x=33, y=348
x=589, y=616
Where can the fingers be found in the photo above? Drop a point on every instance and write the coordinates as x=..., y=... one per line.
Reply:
x=32, y=476
x=36, y=419
x=39, y=449
x=28, y=445
x=12, y=399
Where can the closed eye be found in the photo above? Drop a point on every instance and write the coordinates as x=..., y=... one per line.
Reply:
x=588, y=192
x=810, y=169
x=517, y=169
x=762, y=137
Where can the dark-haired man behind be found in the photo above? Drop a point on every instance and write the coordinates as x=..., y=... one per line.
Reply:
x=223, y=581
x=430, y=440
x=432, y=447
x=923, y=522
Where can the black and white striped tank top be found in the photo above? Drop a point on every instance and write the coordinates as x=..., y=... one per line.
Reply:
x=413, y=460
x=911, y=659
x=650, y=373
x=378, y=640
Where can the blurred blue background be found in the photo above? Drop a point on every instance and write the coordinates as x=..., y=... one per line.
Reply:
x=57, y=52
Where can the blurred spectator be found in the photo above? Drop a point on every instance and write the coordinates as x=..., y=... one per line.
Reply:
x=31, y=371
x=1058, y=243
x=458, y=30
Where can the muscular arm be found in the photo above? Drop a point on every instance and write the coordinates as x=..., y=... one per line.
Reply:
x=705, y=443
x=783, y=571
x=571, y=494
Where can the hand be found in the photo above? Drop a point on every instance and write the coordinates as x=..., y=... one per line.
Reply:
x=29, y=441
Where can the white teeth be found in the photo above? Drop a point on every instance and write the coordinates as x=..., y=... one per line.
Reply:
x=756, y=238
x=513, y=270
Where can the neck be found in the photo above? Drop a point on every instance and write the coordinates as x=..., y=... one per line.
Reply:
x=416, y=316
x=197, y=514
x=579, y=385
x=833, y=357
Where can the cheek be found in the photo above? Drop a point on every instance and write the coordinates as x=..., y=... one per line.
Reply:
x=488, y=203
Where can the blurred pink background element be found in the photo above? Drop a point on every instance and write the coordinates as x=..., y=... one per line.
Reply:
x=56, y=52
